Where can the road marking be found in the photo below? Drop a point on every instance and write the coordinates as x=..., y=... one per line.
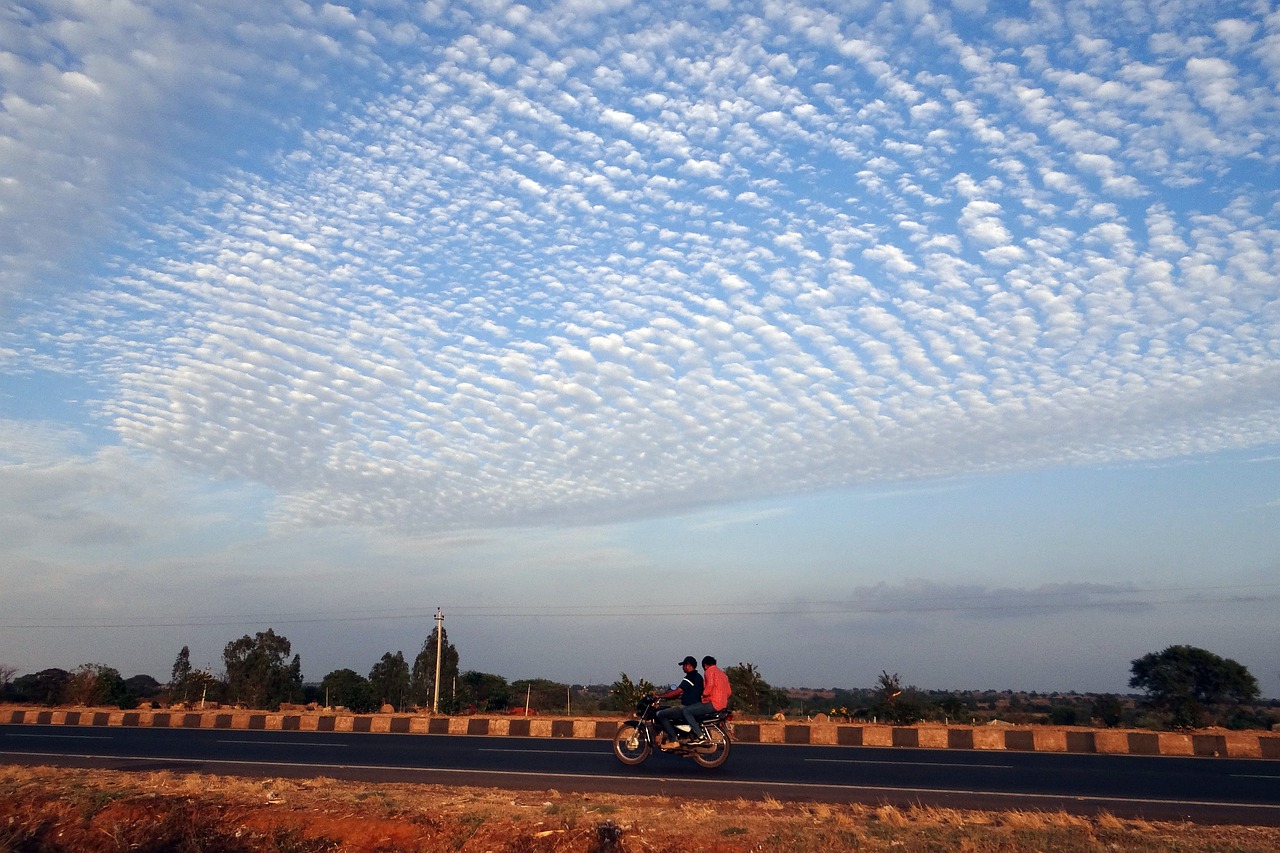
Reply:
x=288, y=743
x=550, y=752
x=64, y=737
x=960, y=766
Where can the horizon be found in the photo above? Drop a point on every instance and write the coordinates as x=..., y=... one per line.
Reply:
x=1128, y=691
x=814, y=692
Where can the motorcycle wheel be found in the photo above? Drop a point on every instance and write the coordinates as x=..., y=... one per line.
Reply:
x=715, y=754
x=631, y=744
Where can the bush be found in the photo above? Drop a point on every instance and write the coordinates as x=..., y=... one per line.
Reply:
x=1064, y=715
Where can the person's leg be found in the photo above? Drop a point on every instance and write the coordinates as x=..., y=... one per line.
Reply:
x=692, y=715
x=667, y=719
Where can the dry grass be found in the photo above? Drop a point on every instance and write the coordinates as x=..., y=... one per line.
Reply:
x=79, y=811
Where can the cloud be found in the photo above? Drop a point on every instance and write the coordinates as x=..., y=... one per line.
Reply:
x=962, y=601
x=60, y=497
x=671, y=263
x=107, y=107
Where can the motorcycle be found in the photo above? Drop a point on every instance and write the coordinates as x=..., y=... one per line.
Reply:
x=638, y=738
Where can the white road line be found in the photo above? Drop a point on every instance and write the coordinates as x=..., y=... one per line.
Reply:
x=913, y=764
x=551, y=752
x=288, y=743
x=63, y=737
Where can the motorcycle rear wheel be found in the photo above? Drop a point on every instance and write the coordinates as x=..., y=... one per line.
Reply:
x=631, y=744
x=717, y=753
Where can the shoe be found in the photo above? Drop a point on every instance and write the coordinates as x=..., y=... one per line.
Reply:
x=699, y=741
x=668, y=745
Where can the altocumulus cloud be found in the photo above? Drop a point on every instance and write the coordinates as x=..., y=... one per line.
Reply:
x=107, y=108
x=589, y=261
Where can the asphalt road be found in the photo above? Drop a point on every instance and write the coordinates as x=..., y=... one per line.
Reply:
x=1206, y=790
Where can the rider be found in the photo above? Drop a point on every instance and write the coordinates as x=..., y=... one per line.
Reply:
x=690, y=692
x=715, y=698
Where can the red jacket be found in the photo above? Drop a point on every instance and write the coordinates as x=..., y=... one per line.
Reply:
x=715, y=687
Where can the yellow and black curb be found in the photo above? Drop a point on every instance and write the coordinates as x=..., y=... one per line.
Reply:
x=1211, y=743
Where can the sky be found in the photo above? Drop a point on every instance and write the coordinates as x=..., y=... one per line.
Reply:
x=939, y=339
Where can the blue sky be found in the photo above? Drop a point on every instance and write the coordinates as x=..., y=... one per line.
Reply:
x=935, y=338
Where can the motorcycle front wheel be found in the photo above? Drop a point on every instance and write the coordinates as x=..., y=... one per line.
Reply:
x=631, y=744
x=715, y=754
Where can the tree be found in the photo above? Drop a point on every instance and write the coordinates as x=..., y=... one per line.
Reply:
x=423, y=682
x=483, y=690
x=752, y=693
x=540, y=693
x=953, y=707
x=623, y=694
x=97, y=684
x=203, y=686
x=180, y=680
x=747, y=686
x=258, y=675
x=1189, y=683
x=1108, y=709
x=44, y=687
x=892, y=705
x=389, y=680
x=1064, y=715
x=349, y=689
x=139, y=687
x=6, y=676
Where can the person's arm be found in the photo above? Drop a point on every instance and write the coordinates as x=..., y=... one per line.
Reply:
x=674, y=691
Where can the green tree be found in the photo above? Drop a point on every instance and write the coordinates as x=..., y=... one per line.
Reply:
x=423, y=681
x=203, y=686
x=752, y=694
x=97, y=684
x=1108, y=709
x=180, y=679
x=389, y=680
x=44, y=687
x=894, y=704
x=259, y=673
x=748, y=687
x=483, y=690
x=349, y=689
x=953, y=708
x=1189, y=684
x=624, y=694
x=541, y=694
x=1064, y=715
x=139, y=687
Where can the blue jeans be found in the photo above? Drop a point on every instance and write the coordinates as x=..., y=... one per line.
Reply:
x=667, y=719
x=694, y=713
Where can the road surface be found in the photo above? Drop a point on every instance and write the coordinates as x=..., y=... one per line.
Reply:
x=1207, y=790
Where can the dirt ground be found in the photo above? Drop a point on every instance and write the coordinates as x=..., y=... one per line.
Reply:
x=87, y=811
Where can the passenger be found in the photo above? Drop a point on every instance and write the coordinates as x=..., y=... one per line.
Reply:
x=715, y=698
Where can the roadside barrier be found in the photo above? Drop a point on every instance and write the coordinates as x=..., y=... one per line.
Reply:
x=1208, y=743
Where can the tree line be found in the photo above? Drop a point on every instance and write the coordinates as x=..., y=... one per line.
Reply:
x=1183, y=687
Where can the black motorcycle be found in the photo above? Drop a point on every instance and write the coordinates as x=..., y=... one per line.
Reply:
x=638, y=738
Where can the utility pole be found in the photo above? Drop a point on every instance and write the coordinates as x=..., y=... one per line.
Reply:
x=435, y=702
